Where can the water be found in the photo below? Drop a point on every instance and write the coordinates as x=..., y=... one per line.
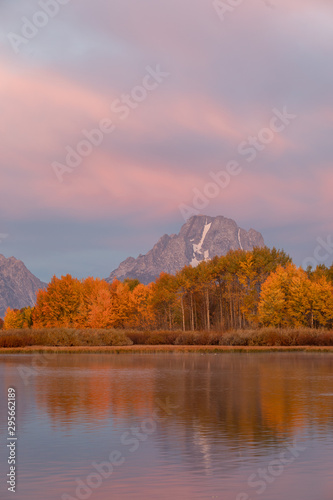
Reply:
x=177, y=426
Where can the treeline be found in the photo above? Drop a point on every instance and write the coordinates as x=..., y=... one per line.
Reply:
x=237, y=291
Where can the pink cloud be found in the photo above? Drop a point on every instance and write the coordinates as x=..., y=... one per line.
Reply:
x=39, y=107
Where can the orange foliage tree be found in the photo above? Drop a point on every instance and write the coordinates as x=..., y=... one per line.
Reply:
x=59, y=304
x=93, y=303
x=237, y=290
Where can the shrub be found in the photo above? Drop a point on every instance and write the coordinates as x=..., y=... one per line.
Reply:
x=66, y=337
x=278, y=337
x=163, y=337
x=138, y=338
x=198, y=338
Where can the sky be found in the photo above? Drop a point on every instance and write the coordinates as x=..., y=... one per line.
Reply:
x=121, y=119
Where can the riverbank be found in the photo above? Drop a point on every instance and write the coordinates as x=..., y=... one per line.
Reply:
x=164, y=341
x=153, y=349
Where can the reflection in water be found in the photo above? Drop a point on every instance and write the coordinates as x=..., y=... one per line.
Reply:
x=216, y=419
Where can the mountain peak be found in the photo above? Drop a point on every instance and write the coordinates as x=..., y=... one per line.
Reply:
x=202, y=237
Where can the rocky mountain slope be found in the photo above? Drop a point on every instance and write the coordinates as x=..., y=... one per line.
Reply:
x=18, y=286
x=200, y=238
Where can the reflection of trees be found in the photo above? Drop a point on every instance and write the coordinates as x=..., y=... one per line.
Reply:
x=255, y=396
x=84, y=388
x=244, y=398
x=236, y=405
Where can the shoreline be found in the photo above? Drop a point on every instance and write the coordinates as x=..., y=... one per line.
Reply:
x=155, y=349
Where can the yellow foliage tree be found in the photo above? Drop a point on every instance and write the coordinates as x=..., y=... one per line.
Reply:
x=141, y=307
x=321, y=301
x=13, y=319
x=18, y=318
x=289, y=298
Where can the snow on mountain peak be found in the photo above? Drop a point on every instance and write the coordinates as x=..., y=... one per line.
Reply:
x=197, y=249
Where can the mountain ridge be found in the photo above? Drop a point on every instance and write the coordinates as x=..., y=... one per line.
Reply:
x=18, y=286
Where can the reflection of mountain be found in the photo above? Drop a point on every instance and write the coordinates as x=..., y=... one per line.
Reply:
x=242, y=398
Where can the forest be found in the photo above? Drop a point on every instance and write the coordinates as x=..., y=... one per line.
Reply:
x=241, y=290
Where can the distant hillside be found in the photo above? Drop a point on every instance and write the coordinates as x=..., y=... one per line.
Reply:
x=18, y=286
x=200, y=238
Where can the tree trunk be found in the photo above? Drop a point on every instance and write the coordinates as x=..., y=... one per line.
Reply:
x=221, y=307
x=183, y=312
x=192, y=312
x=207, y=309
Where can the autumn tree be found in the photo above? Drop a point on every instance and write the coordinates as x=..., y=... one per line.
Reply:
x=98, y=307
x=141, y=308
x=321, y=303
x=237, y=290
x=290, y=298
x=18, y=318
x=165, y=301
x=59, y=304
x=13, y=319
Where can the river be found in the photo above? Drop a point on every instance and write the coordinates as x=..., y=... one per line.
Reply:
x=230, y=426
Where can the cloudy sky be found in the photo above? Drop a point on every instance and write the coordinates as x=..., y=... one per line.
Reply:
x=185, y=91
